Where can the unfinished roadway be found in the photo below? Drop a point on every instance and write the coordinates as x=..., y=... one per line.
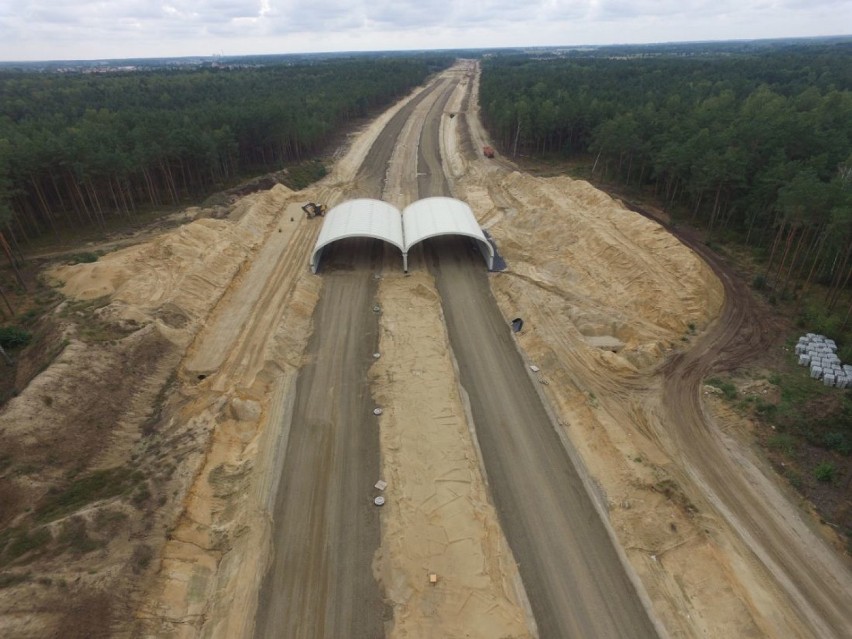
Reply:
x=268, y=425
x=326, y=533
x=575, y=579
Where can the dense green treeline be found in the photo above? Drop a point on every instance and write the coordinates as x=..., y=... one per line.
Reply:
x=76, y=149
x=754, y=143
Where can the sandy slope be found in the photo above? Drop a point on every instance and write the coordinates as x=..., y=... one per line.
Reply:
x=236, y=296
x=438, y=518
x=580, y=266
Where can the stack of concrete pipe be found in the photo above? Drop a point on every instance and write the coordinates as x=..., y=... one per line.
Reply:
x=820, y=353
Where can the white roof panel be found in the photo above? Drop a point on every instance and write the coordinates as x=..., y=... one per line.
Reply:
x=362, y=218
x=435, y=216
x=421, y=220
x=359, y=218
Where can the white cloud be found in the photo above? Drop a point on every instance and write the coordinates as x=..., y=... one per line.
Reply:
x=38, y=29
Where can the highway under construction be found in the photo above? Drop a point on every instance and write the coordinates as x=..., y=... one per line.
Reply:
x=538, y=482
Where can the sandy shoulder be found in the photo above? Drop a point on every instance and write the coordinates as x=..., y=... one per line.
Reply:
x=437, y=518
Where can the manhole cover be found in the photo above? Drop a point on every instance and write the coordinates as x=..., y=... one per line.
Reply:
x=379, y=501
x=376, y=355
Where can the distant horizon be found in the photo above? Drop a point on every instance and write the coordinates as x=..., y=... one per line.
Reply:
x=89, y=30
x=343, y=52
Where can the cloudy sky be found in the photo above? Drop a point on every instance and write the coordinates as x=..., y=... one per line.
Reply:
x=91, y=29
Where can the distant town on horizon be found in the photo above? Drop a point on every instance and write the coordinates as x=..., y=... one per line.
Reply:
x=692, y=48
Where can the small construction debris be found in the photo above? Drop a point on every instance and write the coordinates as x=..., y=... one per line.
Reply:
x=605, y=343
x=433, y=578
x=534, y=368
x=381, y=484
x=517, y=324
x=376, y=355
x=379, y=501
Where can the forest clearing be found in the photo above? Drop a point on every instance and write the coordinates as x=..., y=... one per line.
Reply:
x=199, y=444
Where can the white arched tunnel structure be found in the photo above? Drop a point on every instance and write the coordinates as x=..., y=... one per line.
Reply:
x=435, y=216
x=419, y=221
x=359, y=218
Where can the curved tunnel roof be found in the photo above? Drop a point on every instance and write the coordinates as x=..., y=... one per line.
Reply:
x=435, y=216
x=419, y=221
x=359, y=218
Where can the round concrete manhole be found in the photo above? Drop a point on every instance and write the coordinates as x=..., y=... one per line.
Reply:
x=379, y=501
x=377, y=411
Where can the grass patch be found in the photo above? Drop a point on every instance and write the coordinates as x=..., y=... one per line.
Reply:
x=142, y=495
x=10, y=579
x=819, y=414
x=794, y=478
x=91, y=327
x=99, y=485
x=304, y=174
x=141, y=558
x=727, y=388
x=27, y=469
x=75, y=537
x=765, y=409
x=14, y=337
x=83, y=258
x=824, y=472
x=24, y=542
x=109, y=520
x=837, y=440
x=784, y=443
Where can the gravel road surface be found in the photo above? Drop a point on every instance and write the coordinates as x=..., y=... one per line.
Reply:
x=575, y=581
x=326, y=529
x=320, y=583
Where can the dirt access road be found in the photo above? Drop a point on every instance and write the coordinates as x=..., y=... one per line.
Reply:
x=818, y=585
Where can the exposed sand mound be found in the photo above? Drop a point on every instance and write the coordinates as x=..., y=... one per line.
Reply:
x=618, y=274
x=224, y=306
x=183, y=271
